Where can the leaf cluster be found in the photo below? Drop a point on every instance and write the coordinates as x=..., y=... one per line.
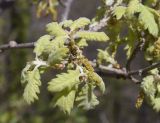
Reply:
x=151, y=88
x=61, y=49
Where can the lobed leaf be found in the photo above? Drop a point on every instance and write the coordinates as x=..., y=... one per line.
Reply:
x=32, y=78
x=79, y=23
x=55, y=29
x=148, y=86
x=66, y=23
x=45, y=45
x=148, y=21
x=42, y=45
x=82, y=43
x=105, y=56
x=156, y=103
x=57, y=55
x=133, y=7
x=64, y=81
x=86, y=98
x=96, y=36
x=65, y=100
x=119, y=12
x=97, y=80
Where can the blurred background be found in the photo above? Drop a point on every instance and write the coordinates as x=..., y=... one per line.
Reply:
x=19, y=22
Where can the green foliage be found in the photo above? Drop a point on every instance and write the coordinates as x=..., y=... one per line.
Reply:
x=105, y=56
x=96, y=36
x=82, y=43
x=32, y=80
x=156, y=104
x=66, y=23
x=52, y=49
x=86, y=98
x=65, y=100
x=57, y=55
x=97, y=80
x=150, y=86
x=133, y=7
x=56, y=51
x=66, y=84
x=79, y=23
x=55, y=29
x=47, y=7
x=148, y=21
x=64, y=81
x=62, y=48
x=153, y=51
x=119, y=11
x=43, y=45
x=141, y=25
x=127, y=22
x=146, y=16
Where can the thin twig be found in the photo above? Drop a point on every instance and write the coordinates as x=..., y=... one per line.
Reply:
x=67, y=9
x=113, y=72
x=103, y=69
x=61, y=3
x=144, y=70
x=14, y=45
x=99, y=25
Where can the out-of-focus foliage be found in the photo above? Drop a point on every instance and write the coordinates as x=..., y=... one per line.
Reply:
x=46, y=7
x=150, y=86
x=141, y=22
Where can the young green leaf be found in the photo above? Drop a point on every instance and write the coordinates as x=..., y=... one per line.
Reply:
x=85, y=97
x=58, y=42
x=104, y=56
x=82, y=43
x=133, y=7
x=148, y=21
x=64, y=81
x=148, y=86
x=32, y=78
x=42, y=45
x=156, y=103
x=57, y=55
x=92, y=36
x=153, y=51
x=25, y=72
x=66, y=23
x=55, y=29
x=97, y=80
x=158, y=87
x=80, y=23
x=65, y=100
x=119, y=11
x=45, y=45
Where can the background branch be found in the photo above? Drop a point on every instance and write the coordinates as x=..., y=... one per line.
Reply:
x=14, y=45
x=145, y=70
x=113, y=72
x=99, y=25
x=67, y=9
x=101, y=69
